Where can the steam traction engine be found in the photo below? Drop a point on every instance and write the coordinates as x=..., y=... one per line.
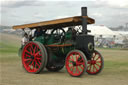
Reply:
x=62, y=42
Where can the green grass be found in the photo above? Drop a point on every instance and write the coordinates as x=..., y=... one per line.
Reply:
x=7, y=48
x=115, y=64
x=109, y=48
x=8, y=51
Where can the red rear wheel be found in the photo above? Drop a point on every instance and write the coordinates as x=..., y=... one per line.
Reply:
x=34, y=57
x=76, y=63
x=96, y=64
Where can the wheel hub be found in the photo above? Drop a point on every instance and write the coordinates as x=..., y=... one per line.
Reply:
x=74, y=63
x=93, y=62
x=32, y=57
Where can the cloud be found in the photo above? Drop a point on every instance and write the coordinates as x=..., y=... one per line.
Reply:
x=96, y=14
x=19, y=3
x=58, y=17
x=117, y=3
x=107, y=12
x=114, y=3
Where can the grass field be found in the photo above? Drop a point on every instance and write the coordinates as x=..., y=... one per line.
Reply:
x=11, y=72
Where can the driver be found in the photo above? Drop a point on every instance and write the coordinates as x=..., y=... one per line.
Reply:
x=38, y=32
x=25, y=39
x=74, y=34
x=71, y=33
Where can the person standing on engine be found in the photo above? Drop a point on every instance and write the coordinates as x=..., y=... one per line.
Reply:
x=25, y=39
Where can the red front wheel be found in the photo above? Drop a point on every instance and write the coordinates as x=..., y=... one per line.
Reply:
x=96, y=64
x=76, y=63
x=34, y=57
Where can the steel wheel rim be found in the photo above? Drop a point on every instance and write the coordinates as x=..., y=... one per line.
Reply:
x=32, y=57
x=95, y=64
x=78, y=69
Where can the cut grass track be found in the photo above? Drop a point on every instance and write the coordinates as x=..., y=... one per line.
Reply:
x=11, y=72
x=9, y=45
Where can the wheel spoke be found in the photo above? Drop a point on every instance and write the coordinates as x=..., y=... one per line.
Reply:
x=98, y=58
x=95, y=68
x=80, y=60
x=33, y=65
x=98, y=61
x=77, y=57
x=77, y=69
x=29, y=67
x=35, y=69
x=31, y=46
x=29, y=59
x=39, y=62
x=39, y=55
x=72, y=58
x=28, y=52
x=38, y=58
x=26, y=55
x=28, y=63
x=97, y=65
x=81, y=67
x=72, y=68
x=89, y=67
x=80, y=63
x=69, y=63
x=34, y=49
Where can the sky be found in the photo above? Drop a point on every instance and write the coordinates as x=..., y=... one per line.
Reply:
x=111, y=13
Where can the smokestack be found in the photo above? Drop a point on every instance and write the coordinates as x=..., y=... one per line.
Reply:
x=84, y=20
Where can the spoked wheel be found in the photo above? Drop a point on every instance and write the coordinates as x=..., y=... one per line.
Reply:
x=58, y=34
x=76, y=63
x=54, y=68
x=96, y=64
x=34, y=57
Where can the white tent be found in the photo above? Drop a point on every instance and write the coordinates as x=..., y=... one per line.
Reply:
x=101, y=30
x=122, y=33
x=117, y=36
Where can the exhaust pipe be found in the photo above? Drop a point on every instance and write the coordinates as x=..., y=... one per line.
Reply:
x=84, y=20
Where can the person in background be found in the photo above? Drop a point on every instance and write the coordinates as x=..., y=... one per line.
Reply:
x=30, y=37
x=38, y=32
x=25, y=39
